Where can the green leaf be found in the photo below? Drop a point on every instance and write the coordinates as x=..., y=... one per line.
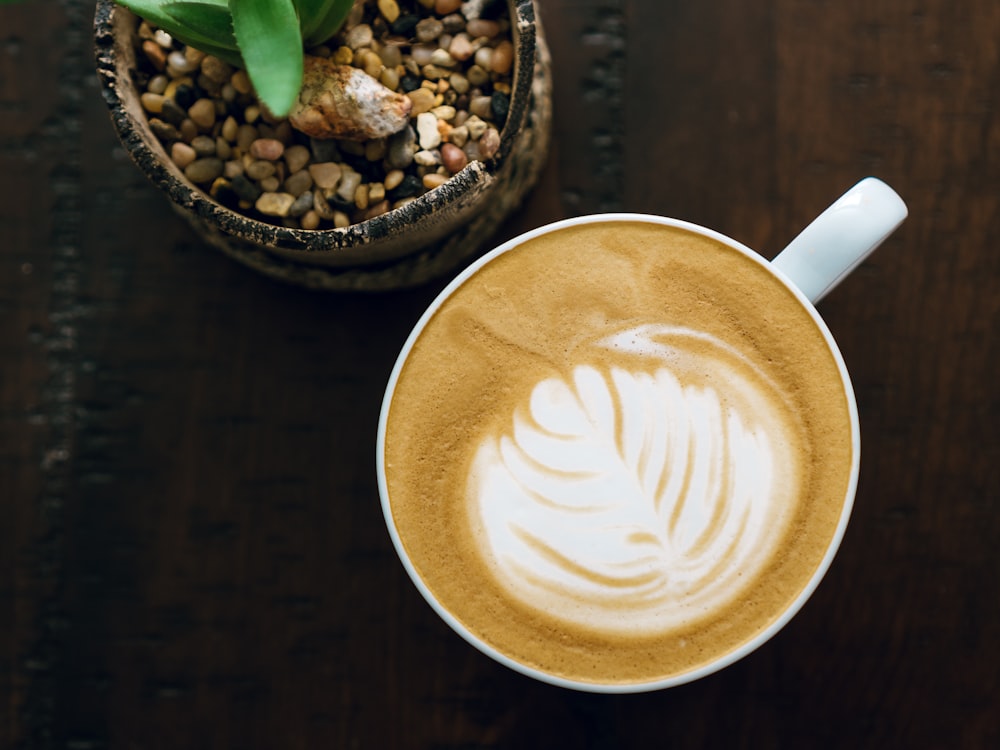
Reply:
x=271, y=43
x=155, y=11
x=321, y=19
x=208, y=19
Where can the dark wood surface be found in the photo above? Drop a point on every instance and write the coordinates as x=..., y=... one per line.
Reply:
x=192, y=553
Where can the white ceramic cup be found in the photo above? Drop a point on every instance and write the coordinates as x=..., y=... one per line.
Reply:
x=813, y=264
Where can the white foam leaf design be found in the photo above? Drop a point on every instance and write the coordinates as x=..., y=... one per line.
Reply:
x=630, y=492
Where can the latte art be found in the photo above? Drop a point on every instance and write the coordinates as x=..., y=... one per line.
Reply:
x=636, y=500
x=616, y=452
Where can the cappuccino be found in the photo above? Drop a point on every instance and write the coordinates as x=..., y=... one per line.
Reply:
x=618, y=452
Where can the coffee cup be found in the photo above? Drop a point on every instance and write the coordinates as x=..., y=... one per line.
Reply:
x=619, y=452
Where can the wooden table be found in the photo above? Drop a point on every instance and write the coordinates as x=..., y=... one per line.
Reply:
x=192, y=553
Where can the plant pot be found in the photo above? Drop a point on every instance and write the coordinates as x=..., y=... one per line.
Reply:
x=403, y=247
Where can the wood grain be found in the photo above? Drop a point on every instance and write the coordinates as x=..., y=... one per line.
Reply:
x=191, y=548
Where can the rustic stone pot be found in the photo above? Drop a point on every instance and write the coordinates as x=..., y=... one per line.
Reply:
x=404, y=247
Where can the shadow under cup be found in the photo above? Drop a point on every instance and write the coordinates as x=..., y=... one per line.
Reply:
x=618, y=453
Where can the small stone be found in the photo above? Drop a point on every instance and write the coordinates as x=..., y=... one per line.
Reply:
x=484, y=57
x=232, y=168
x=321, y=206
x=343, y=55
x=361, y=197
x=433, y=180
x=203, y=171
x=341, y=220
x=339, y=101
x=157, y=84
x=444, y=7
x=482, y=27
x=359, y=36
x=270, y=149
x=299, y=183
x=244, y=188
x=241, y=82
x=429, y=29
x=389, y=78
x=400, y=148
x=155, y=54
x=393, y=178
x=326, y=175
x=203, y=145
x=453, y=23
x=392, y=55
x=202, y=112
x=296, y=157
x=349, y=182
x=477, y=75
x=303, y=204
x=222, y=148
x=172, y=112
x=389, y=10
x=152, y=103
x=481, y=106
x=460, y=48
x=178, y=64
x=182, y=154
x=376, y=210
x=459, y=136
x=434, y=72
x=427, y=158
x=216, y=70
x=407, y=188
x=423, y=101
x=444, y=112
x=405, y=24
x=260, y=169
x=499, y=106
x=453, y=157
x=476, y=127
x=245, y=135
x=188, y=129
x=489, y=144
x=427, y=131
x=375, y=149
x=459, y=83
x=275, y=204
x=165, y=131
x=503, y=58
x=376, y=192
x=442, y=58
x=310, y=220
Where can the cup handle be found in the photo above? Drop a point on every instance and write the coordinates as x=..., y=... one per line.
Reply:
x=841, y=237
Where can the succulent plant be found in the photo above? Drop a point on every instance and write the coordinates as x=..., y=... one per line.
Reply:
x=266, y=37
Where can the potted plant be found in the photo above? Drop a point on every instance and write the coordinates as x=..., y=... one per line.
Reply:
x=295, y=67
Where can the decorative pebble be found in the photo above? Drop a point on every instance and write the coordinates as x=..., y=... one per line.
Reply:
x=270, y=149
x=427, y=131
x=393, y=178
x=444, y=7
x=203, y=170
x=325, y=175
x=453, y=157
x=275, y=204
x=389, y=10
x=489, y=144
x=428, y=30
x=296, y=157
x=423, y=101
x=182, y=154
x=302, y=205
x=359, y=36
x=299, y=183
x=203, y=145
x=260, y=169
x=202, y=112
x=482, y=27
x=434, y=180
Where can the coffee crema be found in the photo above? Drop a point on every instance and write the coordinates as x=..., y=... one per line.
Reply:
x=618, y=451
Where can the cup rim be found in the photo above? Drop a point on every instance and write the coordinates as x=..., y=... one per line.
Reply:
x=726, y=659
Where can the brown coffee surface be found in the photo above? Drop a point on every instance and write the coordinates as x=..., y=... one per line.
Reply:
x=534, y=314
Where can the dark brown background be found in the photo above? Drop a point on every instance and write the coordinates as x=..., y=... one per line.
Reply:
x=192, y=553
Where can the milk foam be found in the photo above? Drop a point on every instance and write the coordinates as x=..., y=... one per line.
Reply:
x=642, y=491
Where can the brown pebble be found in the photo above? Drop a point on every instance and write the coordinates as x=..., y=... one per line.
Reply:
x=203, y=145
x=393, y=179
x=298, y=183
x=216, y=70
x=260, y=169
x=434, y=180
x=489, y=144
x=155, y=54
x=296, y=157
x=182, y=154
x=309, y=220
x=444, y=7
x=478, y=27
x=270, y=149
x=326, y=175
x=152, y=103
x=204, y=170
x=241, y=82
x=453, y=158
x=503, y=58
x=202, y=112
x=275, y=204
